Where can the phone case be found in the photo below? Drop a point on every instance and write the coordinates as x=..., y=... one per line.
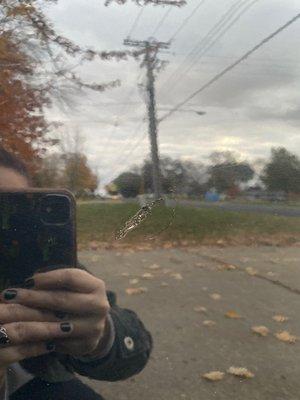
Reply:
x=37, y=232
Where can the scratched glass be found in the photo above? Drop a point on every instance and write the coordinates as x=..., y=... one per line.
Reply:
x=174, y=125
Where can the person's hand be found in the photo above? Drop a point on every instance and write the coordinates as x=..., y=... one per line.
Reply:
x=21, y=338
x=71, y=295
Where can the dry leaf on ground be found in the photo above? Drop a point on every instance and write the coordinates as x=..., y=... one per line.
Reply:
x=227, y=267
x=251, y=271
x=214, y=376
x=94, y=245
x=154, y=267
x=138, y=290
x=208, y=322
x=280, y=318
x=177, y=276
x=147, y=275
x=232, y=314
x=175, y=260
x=215, y=296
x=285, y=336
x=164, y=284
x=260, y=330
x=134, y=281
x=199, y=265
x=240, y=372
x=125, y=274
x=166, y=271
x=270, y=273
x=200, y=309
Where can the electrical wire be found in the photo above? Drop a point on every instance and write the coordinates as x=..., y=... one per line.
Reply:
x=224, y=19
x=162, y=20
x=186, y=20
x=231, y=67
x=135, y=22
x=222, y=33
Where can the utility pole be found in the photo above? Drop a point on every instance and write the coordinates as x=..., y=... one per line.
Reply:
x=151, y=48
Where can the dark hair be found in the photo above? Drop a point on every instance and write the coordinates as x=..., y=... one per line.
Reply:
x=9, y=160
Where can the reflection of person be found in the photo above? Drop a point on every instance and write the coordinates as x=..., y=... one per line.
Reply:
x=60, y=323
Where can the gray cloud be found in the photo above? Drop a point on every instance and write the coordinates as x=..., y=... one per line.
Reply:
x=253, y=108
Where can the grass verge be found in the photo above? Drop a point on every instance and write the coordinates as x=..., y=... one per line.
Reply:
x=99, y=222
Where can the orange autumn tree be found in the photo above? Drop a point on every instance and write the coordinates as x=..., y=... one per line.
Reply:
x=21, y=120
x=36, y=66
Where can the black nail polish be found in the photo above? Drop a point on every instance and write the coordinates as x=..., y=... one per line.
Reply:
x=66, y=327
x=50, y=346
x=10, y=294
x=29, y=283
x=60, y=314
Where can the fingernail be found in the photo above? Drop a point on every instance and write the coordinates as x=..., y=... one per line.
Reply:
x=60, y=314
x=50, y=346
x=66, y=327
x=29, y=283
x=10, y=294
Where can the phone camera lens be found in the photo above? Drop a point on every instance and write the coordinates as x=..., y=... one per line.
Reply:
x=55, y=209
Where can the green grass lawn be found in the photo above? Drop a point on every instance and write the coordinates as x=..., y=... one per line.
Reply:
x=99, y=222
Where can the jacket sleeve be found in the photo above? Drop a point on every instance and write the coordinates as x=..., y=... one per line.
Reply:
x=130, y=351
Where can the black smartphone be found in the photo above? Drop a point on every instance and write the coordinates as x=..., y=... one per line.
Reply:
x=37, y=231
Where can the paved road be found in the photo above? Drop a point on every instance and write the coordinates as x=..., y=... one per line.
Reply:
x=184, y=347
x=257, y=208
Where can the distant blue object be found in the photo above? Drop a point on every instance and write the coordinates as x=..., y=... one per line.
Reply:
x=212, y=197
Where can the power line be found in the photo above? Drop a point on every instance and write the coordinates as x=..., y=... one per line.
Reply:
x=162, y=20
x=223, y=20
x=186, y=20
x=136, y=21
x=222, y=33
x=232, y=66
x=124, y=158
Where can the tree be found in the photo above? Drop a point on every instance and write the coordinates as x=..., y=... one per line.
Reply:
x=128, y=184
x=78, y=176
x=51, y=172
x=22, y=126
x=282, y=172
x=227, y=174
x=181, y=177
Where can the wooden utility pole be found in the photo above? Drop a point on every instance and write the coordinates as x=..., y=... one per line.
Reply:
x=150, y=62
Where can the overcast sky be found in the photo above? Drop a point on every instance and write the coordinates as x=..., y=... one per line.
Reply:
x=254, y=107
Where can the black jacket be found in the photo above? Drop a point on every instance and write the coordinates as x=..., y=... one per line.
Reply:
x=127, y=357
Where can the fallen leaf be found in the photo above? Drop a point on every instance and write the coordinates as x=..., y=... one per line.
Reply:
x=214, y=376
x=240, y=372
x=204, y=288
x=95, y=259
x=251, y=271
x=260, y=330
x=199, y=265
x=125, y=274
x=138, y=290
x=94, y=245
x=208, y=322
x=177, y=276
x=154, y=267
x=164, y=284
x=280, y=318
x=285, y=336
x=166, y=270
x=200, y=309
x=215, y=296
x=270, y=273
x=147, y=275
x=232, y=314
x=227, y=267
x=134, y=281
x=175, y=260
